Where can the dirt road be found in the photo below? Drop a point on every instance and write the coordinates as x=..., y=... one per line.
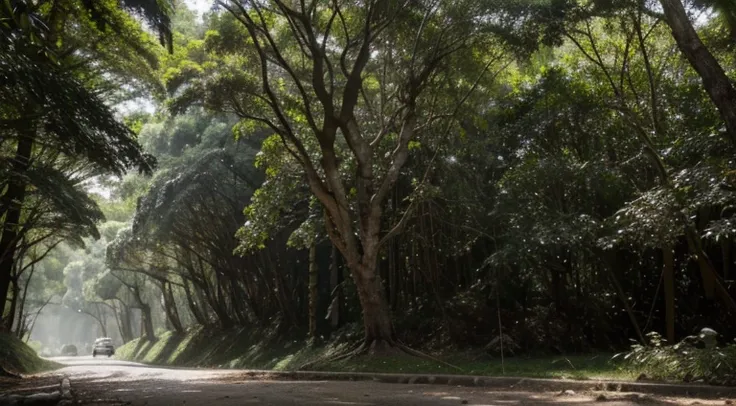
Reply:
x=105, y=381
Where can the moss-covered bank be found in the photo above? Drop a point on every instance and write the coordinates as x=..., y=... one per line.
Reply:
x=18, y=358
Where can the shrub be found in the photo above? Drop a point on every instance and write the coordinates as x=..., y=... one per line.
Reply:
x=691, y=360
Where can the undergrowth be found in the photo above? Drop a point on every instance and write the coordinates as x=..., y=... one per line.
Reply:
x=247, y=349
x=691, y=360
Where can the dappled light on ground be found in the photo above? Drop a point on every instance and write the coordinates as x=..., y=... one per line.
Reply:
x=108, y=382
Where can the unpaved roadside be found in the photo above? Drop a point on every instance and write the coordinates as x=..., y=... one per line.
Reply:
x=110, y=382
x=282, y=393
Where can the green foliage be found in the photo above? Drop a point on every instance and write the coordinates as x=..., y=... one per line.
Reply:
x=533, y=189
x=684, y=361
x=210, y=167
x=279, y=195
x=171, y=137
x=59, y=61
x=309, y=232
x=73, y=280
x=107, y=286
x=559, y=146
x=77, y=122
x=136, y=121
x=647, y=221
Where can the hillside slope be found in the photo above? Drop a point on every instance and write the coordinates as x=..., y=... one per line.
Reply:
x=18, y=358
x=244, y=349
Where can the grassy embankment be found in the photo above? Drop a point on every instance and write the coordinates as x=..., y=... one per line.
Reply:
x=242, y=349
x=18, y=358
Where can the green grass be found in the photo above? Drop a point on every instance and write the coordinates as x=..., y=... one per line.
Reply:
x=17, y=357
x=591, y=366
x=203, y=348
x=251, y=350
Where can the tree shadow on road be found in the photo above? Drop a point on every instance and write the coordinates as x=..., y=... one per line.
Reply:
x=278, y=393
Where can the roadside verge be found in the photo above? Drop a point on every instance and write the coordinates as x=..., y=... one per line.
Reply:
x=498, y=383
x=17, y=358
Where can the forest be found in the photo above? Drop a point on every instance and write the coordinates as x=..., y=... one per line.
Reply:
x=420, y=174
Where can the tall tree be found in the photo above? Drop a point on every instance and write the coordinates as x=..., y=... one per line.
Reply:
x=719, y=86
x=49, y=103
x=346, y=87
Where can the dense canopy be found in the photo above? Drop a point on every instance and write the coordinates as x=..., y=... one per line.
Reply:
x=422, y=173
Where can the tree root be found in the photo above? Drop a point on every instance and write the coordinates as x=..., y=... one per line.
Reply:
x=344, y=355
x=420, y=354
x=362, y=349
x=375, y=347
x=6, y=374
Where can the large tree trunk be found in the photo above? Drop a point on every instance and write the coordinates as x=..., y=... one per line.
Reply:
x=124, y=323
x=193, y=308
x=218, y=305
x=103, y=326
x=172, y=314
x=10, y=320
x=376, y=315
x=335, y=281
x=100, y=318
x=668, y=264
x=220, y=309
x=21, y=326
x=29, y=329
x=147, y=321
x=393, y=288
x=176, y=318
x=21, y=320
x=313, y=293
x=238, y=300
x=361, y=258
x=716, y=82
x=627, y=306
x=12, y=204
x=711, y=279
x=203, y=298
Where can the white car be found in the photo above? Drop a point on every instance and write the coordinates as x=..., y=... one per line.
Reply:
x=103, y=346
